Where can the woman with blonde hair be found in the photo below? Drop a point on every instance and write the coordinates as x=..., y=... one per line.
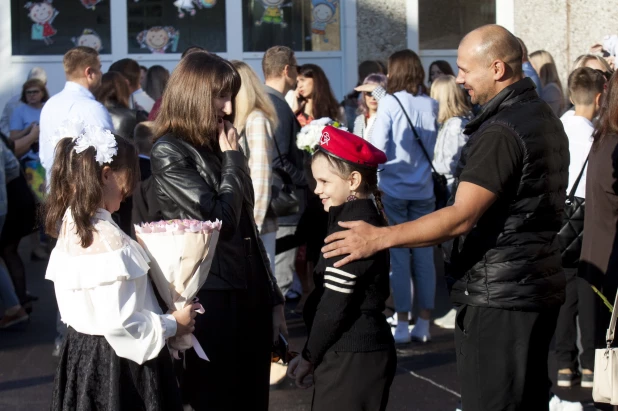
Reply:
x=544, y=64
x=255, y=121
x=453, y=114
x=593, y=61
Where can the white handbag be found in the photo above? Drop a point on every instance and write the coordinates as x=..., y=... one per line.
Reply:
x=605, y=385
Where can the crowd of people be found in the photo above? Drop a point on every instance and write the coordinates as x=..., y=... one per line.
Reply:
x=211, y=141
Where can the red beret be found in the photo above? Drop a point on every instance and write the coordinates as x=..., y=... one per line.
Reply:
x=350, y=147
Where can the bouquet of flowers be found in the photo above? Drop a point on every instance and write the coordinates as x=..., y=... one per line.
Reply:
x=181, y=253
x=309, y=136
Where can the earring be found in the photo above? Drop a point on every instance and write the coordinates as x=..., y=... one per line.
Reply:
x=351, y=197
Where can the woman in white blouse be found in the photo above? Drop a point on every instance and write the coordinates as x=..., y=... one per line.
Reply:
x=368, y=107
x=453, y=116
x=112, y=357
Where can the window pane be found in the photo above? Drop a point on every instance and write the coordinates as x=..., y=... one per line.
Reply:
x=42, y=28
x=302, y=25
x=165, y=26
x=443, y=23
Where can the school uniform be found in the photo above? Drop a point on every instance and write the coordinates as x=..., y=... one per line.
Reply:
x=350, y=343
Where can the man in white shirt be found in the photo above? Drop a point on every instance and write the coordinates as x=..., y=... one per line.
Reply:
x=76, y=101
x=130, y=69
x=585, y=90
x=36, y=73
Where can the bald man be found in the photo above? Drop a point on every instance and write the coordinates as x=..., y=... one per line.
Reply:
x=503, y=263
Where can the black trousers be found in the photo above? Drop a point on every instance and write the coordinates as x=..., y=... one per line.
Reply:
x=236, y=334
x=502, y=358
x=354, y=381
x=580, y=300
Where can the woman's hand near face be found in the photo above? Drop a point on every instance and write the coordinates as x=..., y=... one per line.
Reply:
x=368, y=88
x=228, y=137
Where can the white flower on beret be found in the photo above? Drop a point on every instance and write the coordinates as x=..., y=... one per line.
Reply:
x=101, y=139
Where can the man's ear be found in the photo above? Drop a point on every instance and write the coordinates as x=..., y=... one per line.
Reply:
x=597, y=99
x=88, y=72
x=499, y=69
x=286, y=70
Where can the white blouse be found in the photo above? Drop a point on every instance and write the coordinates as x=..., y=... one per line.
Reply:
x=104, y=289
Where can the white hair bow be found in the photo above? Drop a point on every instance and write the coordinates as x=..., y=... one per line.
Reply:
x=86, y=136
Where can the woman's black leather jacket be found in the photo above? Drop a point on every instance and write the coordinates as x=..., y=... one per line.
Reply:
x=204, y=184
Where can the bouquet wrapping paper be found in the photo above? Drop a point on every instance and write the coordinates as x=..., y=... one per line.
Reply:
x=181, y=253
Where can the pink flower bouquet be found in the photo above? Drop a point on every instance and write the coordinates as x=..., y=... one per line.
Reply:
x=181, y=253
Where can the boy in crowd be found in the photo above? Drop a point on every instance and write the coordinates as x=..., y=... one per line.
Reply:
x=585, y=90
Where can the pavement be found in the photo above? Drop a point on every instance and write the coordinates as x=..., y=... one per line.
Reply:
x=426, y=378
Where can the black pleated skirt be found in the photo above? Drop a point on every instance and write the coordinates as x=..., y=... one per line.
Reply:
x=90, y=376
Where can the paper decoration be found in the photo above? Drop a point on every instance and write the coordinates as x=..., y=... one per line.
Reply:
x=273, y=12
x=90, y=4
x=42, y=13
x=206, y=4
x=185, y=6
x=323, y=13
x=158, y=39
x=89, y=38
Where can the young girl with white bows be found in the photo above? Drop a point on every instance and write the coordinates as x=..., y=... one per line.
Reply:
x=112, y=358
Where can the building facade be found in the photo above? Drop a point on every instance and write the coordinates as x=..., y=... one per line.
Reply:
x=335, y=34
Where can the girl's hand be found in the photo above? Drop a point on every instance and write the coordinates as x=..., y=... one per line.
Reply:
x=34, y=131
x=366, y=88
x=298, y=370
x=185, y=319
x=279, y=325
x=228, y=137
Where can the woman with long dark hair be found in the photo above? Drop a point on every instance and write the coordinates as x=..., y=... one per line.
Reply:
x=115, y=95
x=200, y=173
x=314, y=96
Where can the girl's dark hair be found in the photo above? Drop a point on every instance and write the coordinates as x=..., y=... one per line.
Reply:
x=187, y=107
x=444, y=67
x=405, y=73
x=608, y=115
x=369, y=178
x=113, y=90
x=76, y=183
x=156, y=80
x=324, y=102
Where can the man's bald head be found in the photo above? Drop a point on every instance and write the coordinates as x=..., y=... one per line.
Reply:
x=493, y=42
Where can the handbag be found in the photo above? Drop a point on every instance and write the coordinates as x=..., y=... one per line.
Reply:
x=283, y=200
x=571, y=233
x=605, y=385
x=440, y=187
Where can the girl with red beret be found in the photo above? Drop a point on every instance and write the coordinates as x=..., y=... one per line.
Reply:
x=350, y=349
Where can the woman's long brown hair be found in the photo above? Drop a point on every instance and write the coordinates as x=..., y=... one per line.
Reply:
x=324, y=102
x=608, y=115
x=187, y=108
x=113, y=90
x=77, y=183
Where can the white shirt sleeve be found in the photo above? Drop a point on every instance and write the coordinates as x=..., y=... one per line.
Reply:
x=133, y=331
x=381, y=132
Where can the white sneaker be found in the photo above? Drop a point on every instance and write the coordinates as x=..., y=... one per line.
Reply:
x=448, y=321
x=392, y=320
x=420, y=332
x=555, y=404
x=402, y=334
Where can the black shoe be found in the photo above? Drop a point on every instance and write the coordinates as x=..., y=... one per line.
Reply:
x=568, y=379
x=587, y=380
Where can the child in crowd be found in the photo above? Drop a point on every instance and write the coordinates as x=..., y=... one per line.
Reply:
x=585, y=90
x=112, y=356
x=350, y=345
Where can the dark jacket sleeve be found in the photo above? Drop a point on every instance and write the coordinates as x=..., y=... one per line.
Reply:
x=276, y=296
x=333, y=313
x=285, y=137
x=179, y=180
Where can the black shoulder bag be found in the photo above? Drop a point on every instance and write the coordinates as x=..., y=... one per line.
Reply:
x=572, y=232
x=283, y=200
x=440, y=187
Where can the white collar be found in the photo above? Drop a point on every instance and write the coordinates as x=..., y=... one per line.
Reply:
x=73, y=86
